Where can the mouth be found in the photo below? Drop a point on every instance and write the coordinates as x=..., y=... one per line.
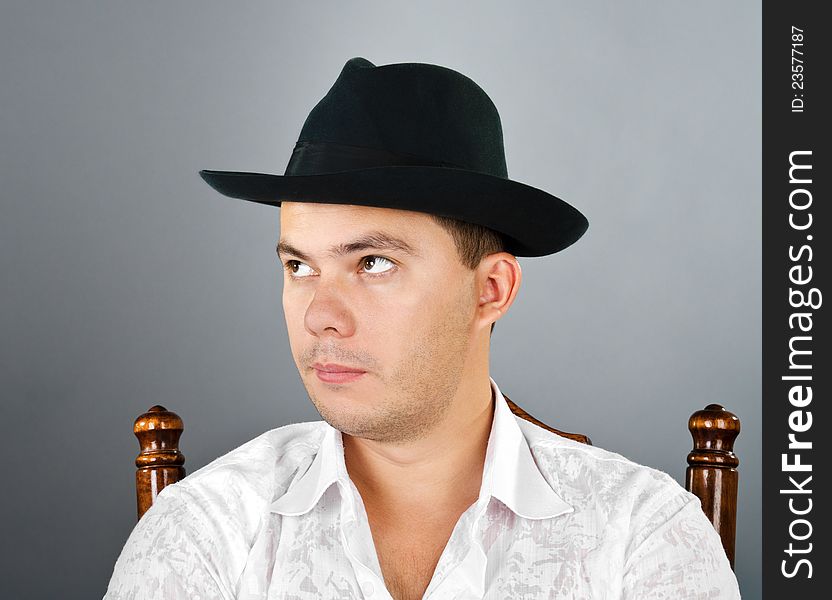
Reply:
x=334, y=373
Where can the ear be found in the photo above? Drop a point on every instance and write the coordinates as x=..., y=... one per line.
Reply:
x=498, y=278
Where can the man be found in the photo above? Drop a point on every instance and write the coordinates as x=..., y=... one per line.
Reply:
x=399, y=231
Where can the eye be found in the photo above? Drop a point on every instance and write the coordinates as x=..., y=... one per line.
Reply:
x=296, y=269
x=371, y=262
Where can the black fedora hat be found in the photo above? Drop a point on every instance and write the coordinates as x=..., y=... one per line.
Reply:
x=412, y=136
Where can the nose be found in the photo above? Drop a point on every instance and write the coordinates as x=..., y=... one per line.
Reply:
x=329, y=312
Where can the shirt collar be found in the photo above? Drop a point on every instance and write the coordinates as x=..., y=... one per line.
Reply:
x=327, y=467
x=510, y=473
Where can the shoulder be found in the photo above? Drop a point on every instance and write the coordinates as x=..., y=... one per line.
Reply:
x=613, y=486
x=636, y=517
x=194, y=539
x=240, y=484
x=261, y=462
x=664, y=541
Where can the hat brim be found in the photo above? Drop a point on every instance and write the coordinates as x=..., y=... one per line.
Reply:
x=534, y=222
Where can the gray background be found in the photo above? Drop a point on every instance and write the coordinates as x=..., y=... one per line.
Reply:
x=128, y=282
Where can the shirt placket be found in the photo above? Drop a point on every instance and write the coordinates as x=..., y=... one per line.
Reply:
x=357, y=540
x=461, y=579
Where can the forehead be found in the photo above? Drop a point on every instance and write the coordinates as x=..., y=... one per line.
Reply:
x=302, y=214
x=314, y=225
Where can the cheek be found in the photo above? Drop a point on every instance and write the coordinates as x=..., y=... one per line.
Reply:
x=383, y=323
x=401, y=308
x=421, y=316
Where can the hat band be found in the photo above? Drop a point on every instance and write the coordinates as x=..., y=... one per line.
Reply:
x=317, y=158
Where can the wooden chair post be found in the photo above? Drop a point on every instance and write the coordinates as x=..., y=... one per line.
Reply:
x=712, y=469
x=160, y=462
x=578, y=437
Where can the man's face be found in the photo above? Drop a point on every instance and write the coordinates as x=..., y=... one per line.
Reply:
x=402, y=316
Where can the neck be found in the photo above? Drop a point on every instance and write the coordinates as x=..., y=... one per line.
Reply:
x=440, y=469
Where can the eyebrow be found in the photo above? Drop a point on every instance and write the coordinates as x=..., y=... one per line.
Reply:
x=374, y=240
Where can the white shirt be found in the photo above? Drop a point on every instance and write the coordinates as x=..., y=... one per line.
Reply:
x=554, y=519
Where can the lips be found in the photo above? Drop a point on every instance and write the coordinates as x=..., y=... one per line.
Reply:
x=335, y=368
x=333, y=373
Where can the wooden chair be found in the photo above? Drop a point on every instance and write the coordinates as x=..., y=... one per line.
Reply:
x=711, y=473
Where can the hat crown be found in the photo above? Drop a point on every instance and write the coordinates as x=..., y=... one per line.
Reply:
x=411, y=136
x=417, y=110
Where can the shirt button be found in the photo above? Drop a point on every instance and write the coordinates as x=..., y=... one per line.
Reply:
x=367, y=588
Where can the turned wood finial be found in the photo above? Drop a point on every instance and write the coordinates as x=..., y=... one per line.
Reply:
x=159, y=462
x=712, y=471
x=714, y=430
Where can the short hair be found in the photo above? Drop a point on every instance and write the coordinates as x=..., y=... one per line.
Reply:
x=473, y=242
